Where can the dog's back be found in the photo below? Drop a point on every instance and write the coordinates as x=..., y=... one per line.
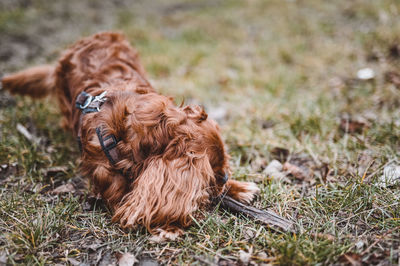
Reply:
x=90, y=64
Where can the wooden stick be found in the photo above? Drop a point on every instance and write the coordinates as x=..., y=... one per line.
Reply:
x=265, y=216
x=21, y=129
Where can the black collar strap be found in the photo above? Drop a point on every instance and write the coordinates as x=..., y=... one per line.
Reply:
x=225, y=178
x=90, y=104
x=109, y=145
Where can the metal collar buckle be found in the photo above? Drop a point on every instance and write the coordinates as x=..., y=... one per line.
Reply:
x=90, y=99
x=87, y=102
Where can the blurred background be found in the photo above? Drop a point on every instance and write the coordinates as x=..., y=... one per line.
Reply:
x=311, y=83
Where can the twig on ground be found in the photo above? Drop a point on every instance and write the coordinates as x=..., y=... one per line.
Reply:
x=265, y=216
x=21, y=129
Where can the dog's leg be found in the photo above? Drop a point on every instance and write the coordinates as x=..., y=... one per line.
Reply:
x=242, y=191
x=36, y=82
x=170, y=233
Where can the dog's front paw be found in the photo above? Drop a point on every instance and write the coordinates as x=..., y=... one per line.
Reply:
x=162, y=235
x=250, y=192
x=242, y=191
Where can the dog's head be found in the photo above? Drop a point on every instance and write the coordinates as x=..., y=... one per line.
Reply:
x=175, y=156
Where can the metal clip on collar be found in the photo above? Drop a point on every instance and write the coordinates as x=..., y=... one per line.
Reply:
x=87, y=102
x=90, y=99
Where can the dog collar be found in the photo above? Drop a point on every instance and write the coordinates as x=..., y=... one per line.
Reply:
x=91, y=104
x=225, y=178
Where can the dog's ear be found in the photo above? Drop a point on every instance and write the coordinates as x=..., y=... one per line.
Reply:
x=150, y=111
x=196, y=113
x=168, y=192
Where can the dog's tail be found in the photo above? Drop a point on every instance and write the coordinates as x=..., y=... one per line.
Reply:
x=36, y=82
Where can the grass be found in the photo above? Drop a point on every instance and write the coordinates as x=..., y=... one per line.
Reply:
x=275, y=74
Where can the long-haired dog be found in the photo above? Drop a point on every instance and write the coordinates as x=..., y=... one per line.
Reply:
x=155, y=164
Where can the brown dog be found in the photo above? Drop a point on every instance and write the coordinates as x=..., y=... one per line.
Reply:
x=155, y=164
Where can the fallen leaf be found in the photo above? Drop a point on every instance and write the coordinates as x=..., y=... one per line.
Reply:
x=352, y=125
x=274, y=165
x=3, y=258
x=93, y=202
x=374, y=56
x=323, y=172
x=224, y=81
x=336, y=84
x=393, y=78
x=95, y=245
x=226, y=262
x=249, y=234
x=365, y=73
x=127, y=259
x=280, y=154
x=262, y=255
x=108, y=260
x=274, y=170
x=359, y=245
x=63, y=189
x=351, y=258
x=390, y=177
x=258, y=163
x=244, y=257
x=308, y=165
x=6, y=100
x=378, y=258
x=8, y=169
x=364, y=161
x=394, y=51
x=324, y=236
x=52, y=171
x=265, y=124
x=73, y=262
x=147, y=262
x=294, y=170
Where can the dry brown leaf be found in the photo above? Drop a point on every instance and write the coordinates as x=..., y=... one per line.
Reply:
x=393, y=78
x=337, y=84
x=366, y=74
x=226, y=262
x=8, y=169
x=127, y=259
x=351, y=125
x=364, y=161
x=390, y=177
x=244, y=257
x=51, y=171
x=294, y=170
x=64, y=189
x=265, y=124
x=280, y=154
x=394, y=51
x=351, y=259
x=74, y=262
x=3, y=258
x=274, y=170
x=322, y=171
x=249, y=234
x=324, y=236
x=106, y=258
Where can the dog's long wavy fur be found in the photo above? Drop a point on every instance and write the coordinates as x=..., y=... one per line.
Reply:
x=172, y=159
